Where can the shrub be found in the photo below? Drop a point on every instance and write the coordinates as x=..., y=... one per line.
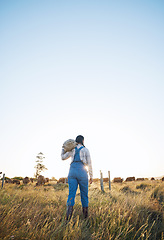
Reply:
x=158, y=194
x=127, y=190
x=142, y=186
x=18, y=178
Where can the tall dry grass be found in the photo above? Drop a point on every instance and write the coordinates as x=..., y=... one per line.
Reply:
x=129, y=211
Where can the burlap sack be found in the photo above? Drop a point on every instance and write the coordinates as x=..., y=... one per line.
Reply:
x=69, y=145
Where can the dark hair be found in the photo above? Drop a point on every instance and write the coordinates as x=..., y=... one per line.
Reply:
x=79, y=139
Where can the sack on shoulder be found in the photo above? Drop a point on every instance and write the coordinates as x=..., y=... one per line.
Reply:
x=69, y=145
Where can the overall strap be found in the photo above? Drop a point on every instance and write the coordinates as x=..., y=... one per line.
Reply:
x=77, y=151
x=80, y=148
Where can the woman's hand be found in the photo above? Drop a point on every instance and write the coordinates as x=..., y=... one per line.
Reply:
x=90, y=180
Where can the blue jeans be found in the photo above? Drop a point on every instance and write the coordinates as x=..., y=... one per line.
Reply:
x=77, y=176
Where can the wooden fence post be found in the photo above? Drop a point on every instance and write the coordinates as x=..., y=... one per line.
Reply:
x=3, y=179
x=109, y=180
x=101, y=181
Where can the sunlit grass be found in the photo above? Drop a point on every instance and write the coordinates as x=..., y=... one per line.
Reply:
x=129, y=211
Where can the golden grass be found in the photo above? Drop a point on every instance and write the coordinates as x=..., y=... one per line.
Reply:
x=129, y=211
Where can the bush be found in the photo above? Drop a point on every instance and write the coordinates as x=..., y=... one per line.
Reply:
x=158, y=194
x=142, y=186
x=60, y=186
x=127, y=190
x=6, y=178
x=18, y=178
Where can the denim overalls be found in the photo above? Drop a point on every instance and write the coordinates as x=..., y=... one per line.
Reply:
x=77, y=175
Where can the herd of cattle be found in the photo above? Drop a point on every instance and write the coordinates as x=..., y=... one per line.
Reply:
x=120, y=180
x=130, y=179
x=41, y=180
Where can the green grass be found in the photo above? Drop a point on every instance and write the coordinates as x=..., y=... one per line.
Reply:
x=129, y=211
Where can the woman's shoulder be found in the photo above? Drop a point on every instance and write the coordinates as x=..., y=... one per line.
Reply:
x=85, y=149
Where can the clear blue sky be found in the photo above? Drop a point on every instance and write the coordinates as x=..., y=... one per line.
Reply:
x=94, y=68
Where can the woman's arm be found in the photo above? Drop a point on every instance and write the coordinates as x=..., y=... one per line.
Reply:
x=89, y=163
x=65, y=155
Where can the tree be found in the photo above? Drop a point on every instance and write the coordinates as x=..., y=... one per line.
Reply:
x=39, y=166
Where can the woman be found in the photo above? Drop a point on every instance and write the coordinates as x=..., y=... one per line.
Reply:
x=78, y=175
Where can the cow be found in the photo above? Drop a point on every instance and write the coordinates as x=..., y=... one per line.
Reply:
x=118, y=180
x=32, y=180
x=129, y=179
x=96, y=180
x=152, y=179
x=47, y=180
x=62, y=180
x=162, y=179
x=26, y=180
x=16, y=181
x=105, y=179
x=140, y=179
x=8, y=180
x=40, y=181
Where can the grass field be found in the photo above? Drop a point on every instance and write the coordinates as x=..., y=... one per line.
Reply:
x=133, y=210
